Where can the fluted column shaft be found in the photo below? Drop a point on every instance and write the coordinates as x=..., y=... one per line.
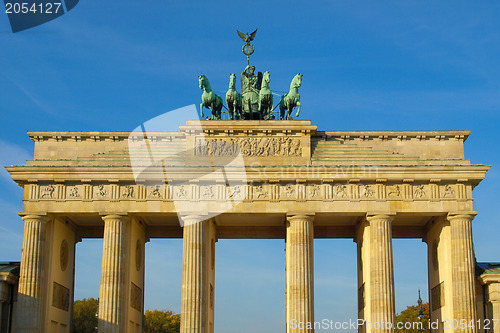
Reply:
x=111, y=295
x=300, y=274
x=381, y=273
x=194, y=301
x=29, y=303
x=464, y=293
x=495, y=310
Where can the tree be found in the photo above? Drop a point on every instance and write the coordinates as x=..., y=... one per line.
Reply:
x=157, y=321
x=410, y=316
x=85, y=315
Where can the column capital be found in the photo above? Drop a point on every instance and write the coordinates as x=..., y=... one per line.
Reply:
x=114, y=216
x=489, y=278
x=370, y=217
x=290, y=217
x=189, y=219
x=455, y=216
x=40, y=218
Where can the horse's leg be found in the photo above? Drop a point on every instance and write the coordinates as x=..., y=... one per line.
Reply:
x=230, y=108
x=298, y=111
x=270, y=108
x=260, y=105
x=201, y=110
x=214, y=112
x=239, y=107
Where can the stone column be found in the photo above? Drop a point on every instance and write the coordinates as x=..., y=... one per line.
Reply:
x=381, y=273
x=111, y=295
x=30, y=295
x=495, y=310
x=299, y=273
x=492, y=284
x=197, y=301
x=462, y=260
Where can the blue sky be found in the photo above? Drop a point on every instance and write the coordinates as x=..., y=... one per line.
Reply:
x=392, y=65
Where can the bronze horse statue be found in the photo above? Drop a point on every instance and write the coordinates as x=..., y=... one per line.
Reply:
x=233, y=99
x=266, y=98
x=209, y=99
x=291, y=99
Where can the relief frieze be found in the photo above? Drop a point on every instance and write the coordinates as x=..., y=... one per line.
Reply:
x=252, y=147
x=260, y=191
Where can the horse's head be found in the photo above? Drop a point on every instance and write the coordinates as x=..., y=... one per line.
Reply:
x=201, y=80
x=298, y=79
x=266, y=77
x=232, y=80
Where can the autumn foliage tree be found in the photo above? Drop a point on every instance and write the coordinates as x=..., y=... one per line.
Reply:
x=85, y=318
x=85, y=315
x=157, y=321
x=410, y=316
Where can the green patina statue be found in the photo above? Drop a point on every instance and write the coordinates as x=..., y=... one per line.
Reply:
x=250, y=88
x=266, y=98
x=291, y=99
x=209, y=99
x=233, y=99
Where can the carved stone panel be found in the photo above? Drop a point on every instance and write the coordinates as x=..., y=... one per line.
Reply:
x=448, y=191
x=340, y=191
x=367, y=191
x=60, y=297
x=135, y=297
x=253, y=146
x=48, y=192
x=101, y=192
x=288, y=191
x=74, y=192
x=394, y=191
x=437, y=296
x=128, y=192
x=314, y=192
x=155, y=192
x=260, y=192
x=421, y=191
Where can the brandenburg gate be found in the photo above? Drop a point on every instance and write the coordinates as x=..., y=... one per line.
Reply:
x=216, y=179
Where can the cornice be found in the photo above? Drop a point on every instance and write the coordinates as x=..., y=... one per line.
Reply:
x=399, y=135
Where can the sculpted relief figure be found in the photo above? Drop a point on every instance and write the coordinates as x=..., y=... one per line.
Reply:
x=340, y=191
x=48, y=192
x=449, y=192
x=73, y=193
x=419, y=191
x=129, y=192
x=155, y=192
x=367, y=191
